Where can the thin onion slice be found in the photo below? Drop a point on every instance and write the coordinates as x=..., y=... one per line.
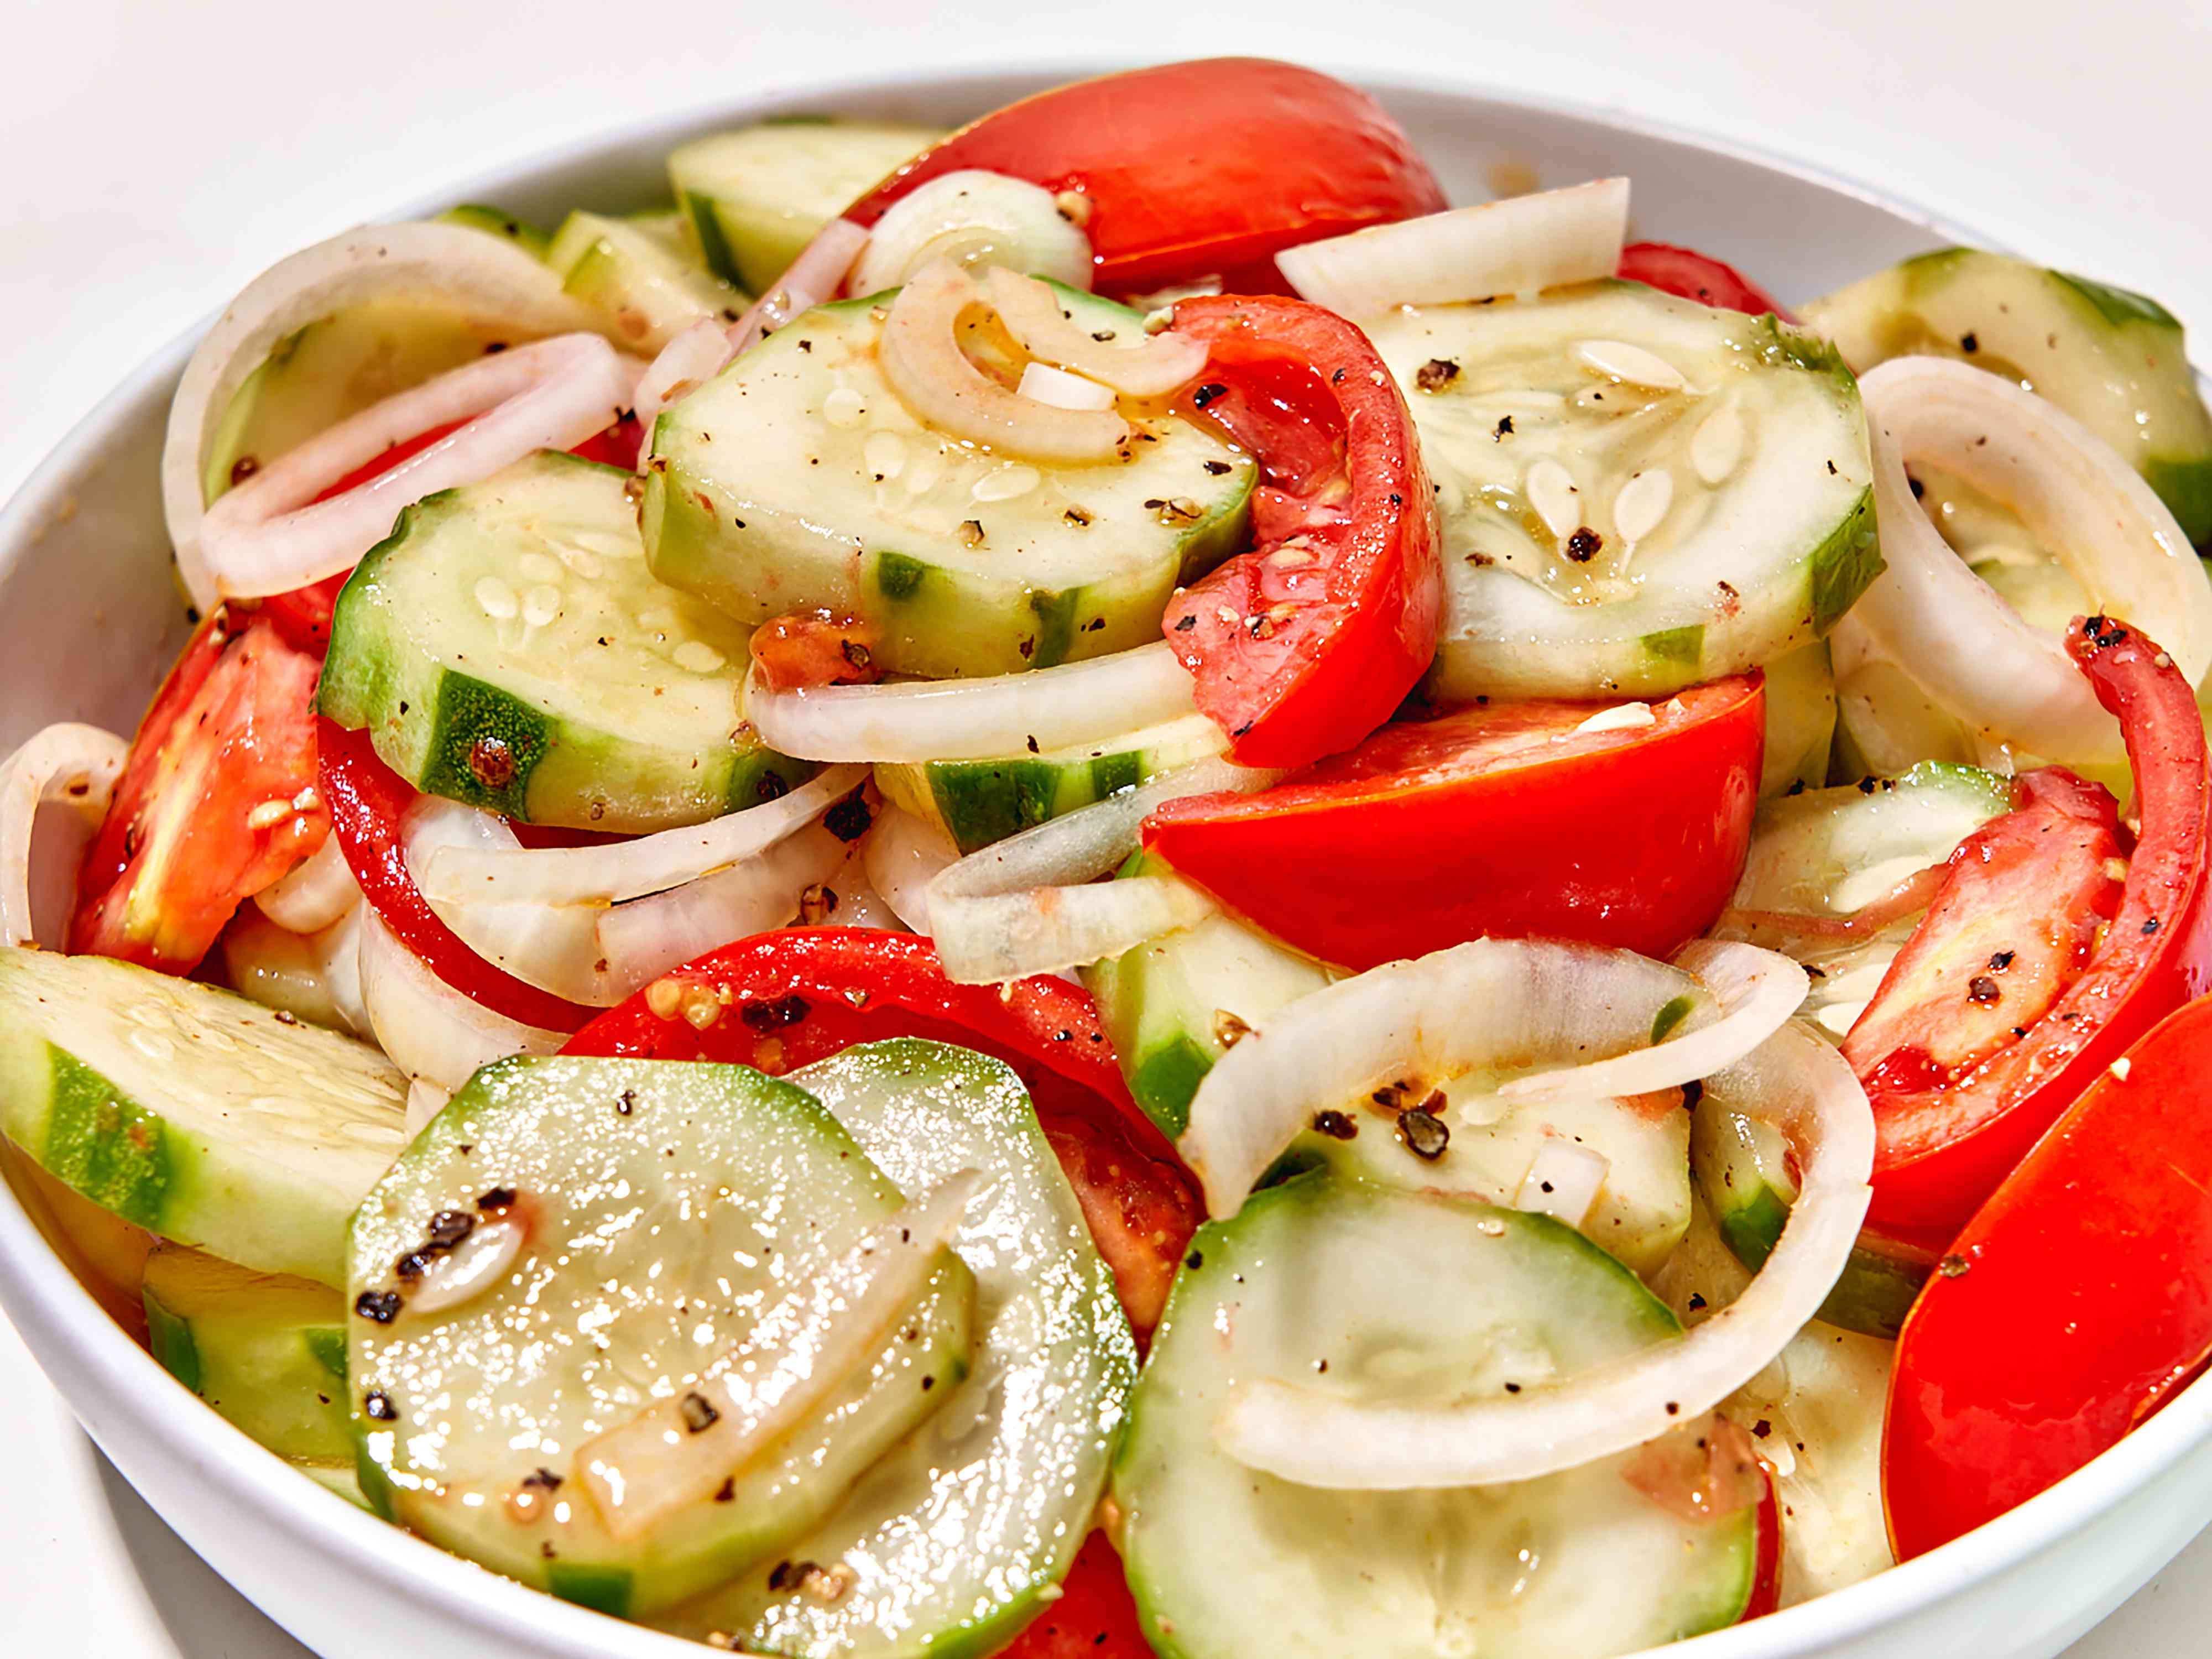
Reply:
x=428, y=1029
x=687, y=362
x=485, y=277
x=1145, y=366
x=676, y=1453
x=904, y=852
x=1793, y=1080
x=920, y=356
x=1042, y=383
x=313, y=894
x=916, y=720
x=1564, y=1181
x=67, y=764
x=1518, y=245
x=1754, y=991
x=1022, y=906
x=974, y=218
x=271, y=535
x=466, y=872
x=1961, y=643
x=815, y=275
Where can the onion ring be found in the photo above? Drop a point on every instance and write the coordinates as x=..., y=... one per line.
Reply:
x=67, y=764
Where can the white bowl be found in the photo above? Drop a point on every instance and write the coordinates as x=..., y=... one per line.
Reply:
x=89, y=619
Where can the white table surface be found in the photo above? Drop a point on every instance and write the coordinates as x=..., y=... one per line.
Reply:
x=158, y=154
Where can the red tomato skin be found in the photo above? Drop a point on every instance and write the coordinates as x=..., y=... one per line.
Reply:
x=2075, y=1302
x=231, y=730
x=2157, y=955
x=1690, y=275
x=367, y=801
x=801, y=994
x=1299, y=659
x=1630, y=838
x=1096, y=1617
x=1196, y=169
x=1766, y=1562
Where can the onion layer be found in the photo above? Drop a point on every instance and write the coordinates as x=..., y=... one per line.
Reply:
x=313, y=894
x=1144, y=365
x=815, y=275
x=1793, y=1080
x=1968, y=649
x=904, y=853
x=428, y=1029
x=974, y=218
x=66, y=765
x=915, y=720
x=690, y=360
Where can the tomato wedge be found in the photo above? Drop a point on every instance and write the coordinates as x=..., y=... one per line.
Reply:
x=1507, y=819
x=1195, y=170
x=217, y=800
x=1954, y=1114
x=1309, y=641
x=1693, y=275
x=780, y=1000
x=1095, y=1618
x=368, y=801
x=2077, y=1302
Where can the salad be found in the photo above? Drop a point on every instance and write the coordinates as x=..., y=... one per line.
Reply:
x=1097, y=887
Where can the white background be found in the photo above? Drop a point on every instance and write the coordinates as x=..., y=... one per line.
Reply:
x=154, y=155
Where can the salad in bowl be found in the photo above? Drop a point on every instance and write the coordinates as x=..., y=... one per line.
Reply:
x=1096, y=886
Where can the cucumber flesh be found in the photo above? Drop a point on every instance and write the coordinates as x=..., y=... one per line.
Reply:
x=797, y=481
x=698, y=1196
x=2116, y=361
x=957, y=1538
x=1604, y=537
x=648, y=291
x=266, y=1350
x=1801, y=720
x=192, y=1112
x=506, y=648
x=756, y=197
x=1227, y=1562
x=976, y=802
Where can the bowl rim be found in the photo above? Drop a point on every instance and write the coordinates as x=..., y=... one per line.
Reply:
x=50, y=1307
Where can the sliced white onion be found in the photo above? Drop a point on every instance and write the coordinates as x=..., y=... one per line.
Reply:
x=1044, y=384
x=1143, y=365
x=1794, y=1080
x=974, y=218
x=1495, y=1005
x=313, y=894
x=337, y=951
x=904, y=853
x=920, y=356
x=427, y=1029
x=1753, y=992
x=815, y=275
x=687, y=362
x=1518, y=245
x=674, y=1453
x=554, y=947
x=271, y=535
x=66, y=764
x=474, y=870
x=425, y=1101
x=915, y=720
x=848, y=899
x=483, y=277
x=1968, y=649
x=1564, y=1181
x=1025, y=905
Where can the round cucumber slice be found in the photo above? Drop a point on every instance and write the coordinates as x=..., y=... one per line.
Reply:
x=193, y=1113
x=1636, y=493
x=506, y=648
x=662, y=1207
x=797, y=481
x=648, y=290
x=952, y=1542
x=1334, y=1284
x=266, y=1350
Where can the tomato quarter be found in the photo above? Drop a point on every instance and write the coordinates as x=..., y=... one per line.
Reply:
x=1694, y=276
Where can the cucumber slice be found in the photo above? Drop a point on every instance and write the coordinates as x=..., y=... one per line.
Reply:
x=1173, y=1006
x=508, y=648
x=650, y=289
x=698, y=1196
x=796, y=480
x=266, y=1350
x=336, y=1479
x=954, y=1540
x=193, y=1113
x=1801, y=720
x=497, y=221
x=976, y=802
x=757, y=196
x=1603, y=536
x=2116, y=361
x=1335, y=1283
x=105, y=1252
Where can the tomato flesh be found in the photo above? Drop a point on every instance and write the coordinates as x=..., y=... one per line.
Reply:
x=780, y=1000
x=1306, y=643
x=1692, y=275
x=217, y=800
x=1195, y=170
x=1095, y=1618
x=1948, y=1135
x=1502, y=819
x=799, y=651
